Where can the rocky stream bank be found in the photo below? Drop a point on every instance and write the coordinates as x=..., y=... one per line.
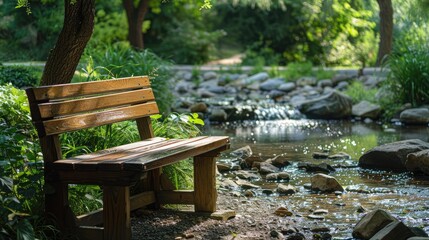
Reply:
x=285, y=181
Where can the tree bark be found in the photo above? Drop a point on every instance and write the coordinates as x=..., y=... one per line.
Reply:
x=135, y=17
x=386, y=30
x=75, y=34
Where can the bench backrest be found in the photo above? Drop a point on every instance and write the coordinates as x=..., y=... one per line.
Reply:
x=63, y=108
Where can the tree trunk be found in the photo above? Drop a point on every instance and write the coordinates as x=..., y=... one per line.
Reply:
x=386, y=30
x=135, y=17
x=77, y=30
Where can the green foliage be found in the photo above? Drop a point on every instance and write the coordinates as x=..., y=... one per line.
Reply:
x=21, y=175
x=295, y=70
x=358, y=92
x=409, y=75
x=178, y=32
x=178, y=126
x=187, y=44
x=117, y=61
x=297, y=30
x=19, y=76
x=26, y=36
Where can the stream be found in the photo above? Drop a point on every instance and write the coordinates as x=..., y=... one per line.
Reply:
x=405, y=195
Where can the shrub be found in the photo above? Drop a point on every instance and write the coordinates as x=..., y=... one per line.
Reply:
x=19, y=76
x=295, y=70
x=358, y=92
x=21, y=175
x=119, y=61
x=409, y=75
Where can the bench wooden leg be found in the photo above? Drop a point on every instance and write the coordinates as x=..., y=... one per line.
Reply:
x=57, y=206
x=116, y=213
x=205, y=194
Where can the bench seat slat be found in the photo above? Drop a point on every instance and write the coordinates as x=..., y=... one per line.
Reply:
x=69, y=107
x=68, y=164
x=89, y=88
x=61, y=125
x=162, y=158
x=114, y=161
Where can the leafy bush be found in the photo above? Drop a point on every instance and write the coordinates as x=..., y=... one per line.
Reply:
x=357, y=92
x=21, y=175
x=119, y=61
x=19, y=76
x=295, y=70
x=409, y=75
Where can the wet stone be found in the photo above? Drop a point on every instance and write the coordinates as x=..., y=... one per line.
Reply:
x=320, y=229
x=246, y=175
x=296, y=236
x=339, y=156
x=320, y=211
x=223, y=167
x=246, y=185
x=267, y=191
x=286, y=189
x=316, y=217
x=249, y=193
x=266, y=168
x=282, y=212
x=320, y=155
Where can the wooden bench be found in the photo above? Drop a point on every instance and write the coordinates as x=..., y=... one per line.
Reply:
x=63, y=108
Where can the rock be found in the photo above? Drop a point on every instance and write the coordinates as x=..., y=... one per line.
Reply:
x=340, y=77
x=320, y=211
x=259, y=77
x=339, y=156
x=209, y=84
x=371, y=223
x=320, y=229
x=418, y=238
x=198, y=107
x=278, y=161
x=418, y=162
x=365, y=109
x=282, y=212
x=334, y=105
x=276, y=234
x=325, y=83
x=204, y=93
x=297, y=100
x=322, y=167
x=286, y=189
x=306, y=81
x=223, y=215
x=320, y=155
x=418, y=232
x=394, y=230
x=246, y=185
x=391, y=156
x=266, y=168
x=223, y=167
x=271, y=84
x=342, y=86
x=268, y=191
x=287, y=87
x=246, y=175
x=209, y=75
x=296, y=236
x=277, y=176
x=325, y=183
x=228, y=184
x=249, y=193
x=242, y=153
x=184, y=86
x=218, y=115
x=216, y=89
x=317, y=217
x=275, y=94
x=415, y=116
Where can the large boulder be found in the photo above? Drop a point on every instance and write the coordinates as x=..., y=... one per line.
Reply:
x=415, y=116
x=334, y=105
x=418, y=162
x=325, y=183
x=366, y=109
x=394, y=230
x=392, y=156
x=371, y=223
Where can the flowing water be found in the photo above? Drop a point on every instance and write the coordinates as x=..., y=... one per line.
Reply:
x=405, y=195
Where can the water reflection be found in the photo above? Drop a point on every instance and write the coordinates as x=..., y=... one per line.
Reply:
x=403, y=194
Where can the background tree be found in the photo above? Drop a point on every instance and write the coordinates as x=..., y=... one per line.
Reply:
x=386, y=30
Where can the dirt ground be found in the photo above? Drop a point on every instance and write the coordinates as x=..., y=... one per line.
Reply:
x=255, y=219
